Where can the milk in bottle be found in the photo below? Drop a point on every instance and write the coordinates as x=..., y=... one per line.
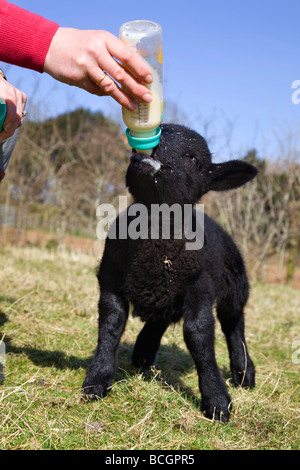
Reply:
x=143, y=130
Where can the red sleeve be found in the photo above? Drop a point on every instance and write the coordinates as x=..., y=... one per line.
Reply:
x=24, y=37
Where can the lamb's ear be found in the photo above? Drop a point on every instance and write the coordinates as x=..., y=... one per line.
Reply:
x=229, y=175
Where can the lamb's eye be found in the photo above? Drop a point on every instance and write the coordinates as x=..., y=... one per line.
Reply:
x=193, y=159
x=196, y=161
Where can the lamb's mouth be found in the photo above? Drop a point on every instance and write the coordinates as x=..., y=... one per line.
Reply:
x=148, y=160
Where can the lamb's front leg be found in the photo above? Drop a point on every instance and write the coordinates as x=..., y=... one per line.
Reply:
x=198, y=329
x=113, y=313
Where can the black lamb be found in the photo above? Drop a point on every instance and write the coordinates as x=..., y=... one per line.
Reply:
x=167, y=278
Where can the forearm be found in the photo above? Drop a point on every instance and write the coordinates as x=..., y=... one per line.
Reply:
x=25, y=37
x=96, y=61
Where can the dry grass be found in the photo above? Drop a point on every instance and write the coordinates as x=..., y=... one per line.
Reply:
x=48, y=314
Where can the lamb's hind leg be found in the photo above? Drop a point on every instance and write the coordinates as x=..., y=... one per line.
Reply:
x=232, y=323
x=147, y=344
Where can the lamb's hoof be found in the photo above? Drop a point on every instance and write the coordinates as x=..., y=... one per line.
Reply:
x=92, y=392
x=142, y=364
x=244, y=378
x=218, y=412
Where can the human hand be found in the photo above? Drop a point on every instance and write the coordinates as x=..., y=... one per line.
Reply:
x=15, y=103
x=82, y=58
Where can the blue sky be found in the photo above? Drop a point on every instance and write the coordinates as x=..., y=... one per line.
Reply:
x=228, y=65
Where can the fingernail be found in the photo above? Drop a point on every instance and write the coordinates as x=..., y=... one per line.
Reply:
x=148, y=78
x=147, y=97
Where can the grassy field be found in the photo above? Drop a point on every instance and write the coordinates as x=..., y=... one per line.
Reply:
x=48, y=318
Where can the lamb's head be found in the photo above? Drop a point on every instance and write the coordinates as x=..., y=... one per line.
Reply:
x=180, y=170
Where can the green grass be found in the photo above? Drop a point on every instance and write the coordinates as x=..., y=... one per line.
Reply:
x=48, y=314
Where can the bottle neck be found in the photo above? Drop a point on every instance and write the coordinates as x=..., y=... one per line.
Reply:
x=143, y=134
x=143, y=140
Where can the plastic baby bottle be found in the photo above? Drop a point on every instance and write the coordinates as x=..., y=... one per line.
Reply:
x=2, y=113
x=143, y=131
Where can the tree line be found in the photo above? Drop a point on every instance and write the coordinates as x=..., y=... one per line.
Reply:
x=63, y=167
